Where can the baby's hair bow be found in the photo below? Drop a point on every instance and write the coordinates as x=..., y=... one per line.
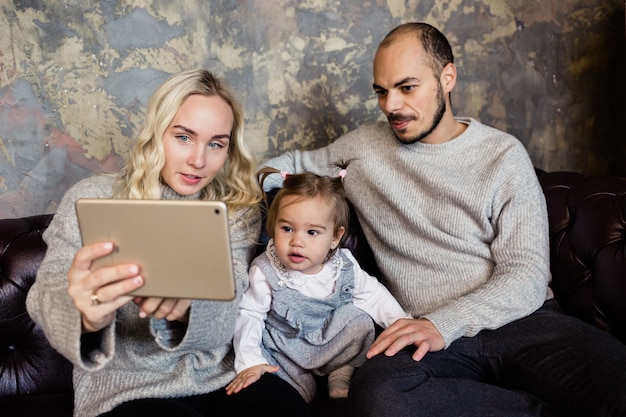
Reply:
x=342, y=174
x=284, y=174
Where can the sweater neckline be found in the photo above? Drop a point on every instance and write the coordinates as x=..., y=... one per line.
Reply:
x=439, y=148
x=167, y=193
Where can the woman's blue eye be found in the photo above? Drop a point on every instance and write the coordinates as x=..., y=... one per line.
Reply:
x=215, y=145
x=183, y=138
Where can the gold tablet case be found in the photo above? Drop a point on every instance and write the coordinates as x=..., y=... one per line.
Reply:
x=182, y=247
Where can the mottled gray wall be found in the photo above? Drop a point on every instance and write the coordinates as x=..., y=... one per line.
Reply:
x=75, y=76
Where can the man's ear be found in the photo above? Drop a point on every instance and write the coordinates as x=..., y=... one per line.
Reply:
x=448, y=77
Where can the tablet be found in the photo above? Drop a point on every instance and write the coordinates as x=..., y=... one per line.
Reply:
x=182, y=247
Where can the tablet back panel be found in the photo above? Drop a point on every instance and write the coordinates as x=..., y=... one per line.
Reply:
x=181, y=246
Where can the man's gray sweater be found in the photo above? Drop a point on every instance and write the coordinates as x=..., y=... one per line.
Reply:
x=458, y=229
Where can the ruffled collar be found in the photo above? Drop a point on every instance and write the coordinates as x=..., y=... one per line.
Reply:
x=296, y=279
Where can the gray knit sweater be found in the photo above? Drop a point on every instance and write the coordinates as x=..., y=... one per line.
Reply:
x=459, y=229
x=135, y=358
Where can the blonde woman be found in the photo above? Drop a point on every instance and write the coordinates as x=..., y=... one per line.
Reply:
x=158, y=356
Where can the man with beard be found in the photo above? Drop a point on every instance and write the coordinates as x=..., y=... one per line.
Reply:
x=458, y=225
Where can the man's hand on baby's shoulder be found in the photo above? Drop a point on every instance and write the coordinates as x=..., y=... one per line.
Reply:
x=404, y=332
x=248, y=377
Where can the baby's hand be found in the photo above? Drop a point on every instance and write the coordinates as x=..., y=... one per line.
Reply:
x=248, y=377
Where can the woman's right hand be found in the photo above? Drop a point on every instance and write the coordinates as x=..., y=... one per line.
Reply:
x=98, y=294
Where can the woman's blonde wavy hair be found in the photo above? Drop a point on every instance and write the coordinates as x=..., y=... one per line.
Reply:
x=140, y=177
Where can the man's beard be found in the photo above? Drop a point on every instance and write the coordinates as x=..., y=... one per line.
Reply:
x=441, y=110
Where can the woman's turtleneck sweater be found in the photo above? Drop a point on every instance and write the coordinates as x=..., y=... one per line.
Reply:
x=134, y=357
x=458, y=229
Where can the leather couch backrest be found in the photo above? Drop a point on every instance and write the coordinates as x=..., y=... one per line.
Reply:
x=588, y=253
x=28, y=364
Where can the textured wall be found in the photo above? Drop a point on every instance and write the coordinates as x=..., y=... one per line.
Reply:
x=75, y=76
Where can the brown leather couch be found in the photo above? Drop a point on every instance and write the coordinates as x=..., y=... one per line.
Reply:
x=587, y=231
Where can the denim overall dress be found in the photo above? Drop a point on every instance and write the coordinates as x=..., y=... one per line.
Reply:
x=306, y=336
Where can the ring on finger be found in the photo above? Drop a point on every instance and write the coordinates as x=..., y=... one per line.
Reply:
x=94, y=299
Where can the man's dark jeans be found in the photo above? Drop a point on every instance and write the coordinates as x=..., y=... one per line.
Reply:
x=546, y=364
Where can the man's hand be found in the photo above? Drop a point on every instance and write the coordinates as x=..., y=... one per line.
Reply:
x=404, y=332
